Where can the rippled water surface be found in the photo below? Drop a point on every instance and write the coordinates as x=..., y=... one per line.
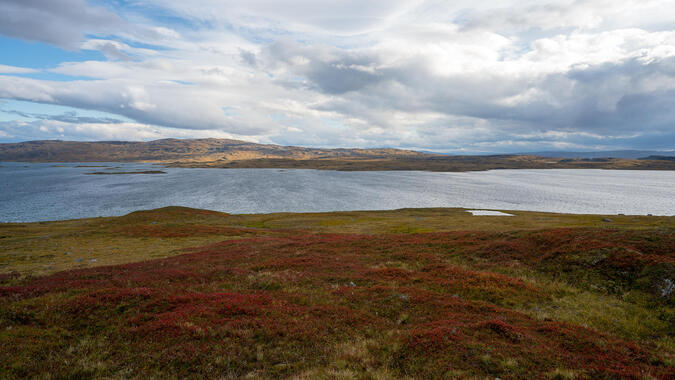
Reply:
x=34, y=192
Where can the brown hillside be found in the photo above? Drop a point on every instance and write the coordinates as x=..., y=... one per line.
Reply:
x=223, y=153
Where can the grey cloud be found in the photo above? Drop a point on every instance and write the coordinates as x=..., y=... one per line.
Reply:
x=332, y=71
x=111, y=51
x=532, y=16
x=578, y=100
x=180, y=107
x=616, y=98
x=611, y=100
x=341, y=76
x=62, y=22
x=248, y=57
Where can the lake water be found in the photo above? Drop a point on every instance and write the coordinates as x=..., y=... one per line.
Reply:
x=36, y=192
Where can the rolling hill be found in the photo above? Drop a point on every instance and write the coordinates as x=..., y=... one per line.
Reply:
x=223, y=153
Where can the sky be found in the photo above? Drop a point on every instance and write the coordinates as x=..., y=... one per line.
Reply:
x=444, y=76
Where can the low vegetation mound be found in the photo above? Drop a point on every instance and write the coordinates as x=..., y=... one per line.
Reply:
x=320, y=305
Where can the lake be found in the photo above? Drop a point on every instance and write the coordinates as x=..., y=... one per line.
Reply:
x=46, y=191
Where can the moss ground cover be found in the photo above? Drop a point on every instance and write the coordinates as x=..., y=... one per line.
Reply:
x=341, y=295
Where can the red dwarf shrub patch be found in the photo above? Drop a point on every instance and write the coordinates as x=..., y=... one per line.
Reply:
x=293, y=302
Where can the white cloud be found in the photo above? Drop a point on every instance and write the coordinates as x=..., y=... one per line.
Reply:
x=52, y=129
x=116, y=50
x=4, y=69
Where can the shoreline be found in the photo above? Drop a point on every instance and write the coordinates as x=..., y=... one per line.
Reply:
x=450, y=164
x=276, y=214
x=356, y=166
x=598, y=219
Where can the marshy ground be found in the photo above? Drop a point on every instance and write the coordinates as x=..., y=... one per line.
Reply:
x=414, y=293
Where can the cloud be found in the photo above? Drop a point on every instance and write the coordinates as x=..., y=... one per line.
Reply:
x=341, y=17
x=62, y=22
x=168, y=104
x=332, y=71
x=248, y=57
x=66, y=117
x=14, y=131
x=434, y=75
x=4, y=69
x=603, y=97
x=115, y=50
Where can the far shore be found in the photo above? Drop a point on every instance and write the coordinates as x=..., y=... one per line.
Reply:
x=432, y=164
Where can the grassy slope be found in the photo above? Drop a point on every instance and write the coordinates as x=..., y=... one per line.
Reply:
x=416, y=293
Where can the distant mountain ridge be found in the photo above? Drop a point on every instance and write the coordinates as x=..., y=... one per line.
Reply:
x=225, y=153
x=190, y=150
x=628, y=154
x=662, y=158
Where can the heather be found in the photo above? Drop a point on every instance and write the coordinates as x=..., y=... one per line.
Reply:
x=402, y=294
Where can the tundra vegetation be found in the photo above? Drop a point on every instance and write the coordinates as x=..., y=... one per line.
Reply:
x=413, y=293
